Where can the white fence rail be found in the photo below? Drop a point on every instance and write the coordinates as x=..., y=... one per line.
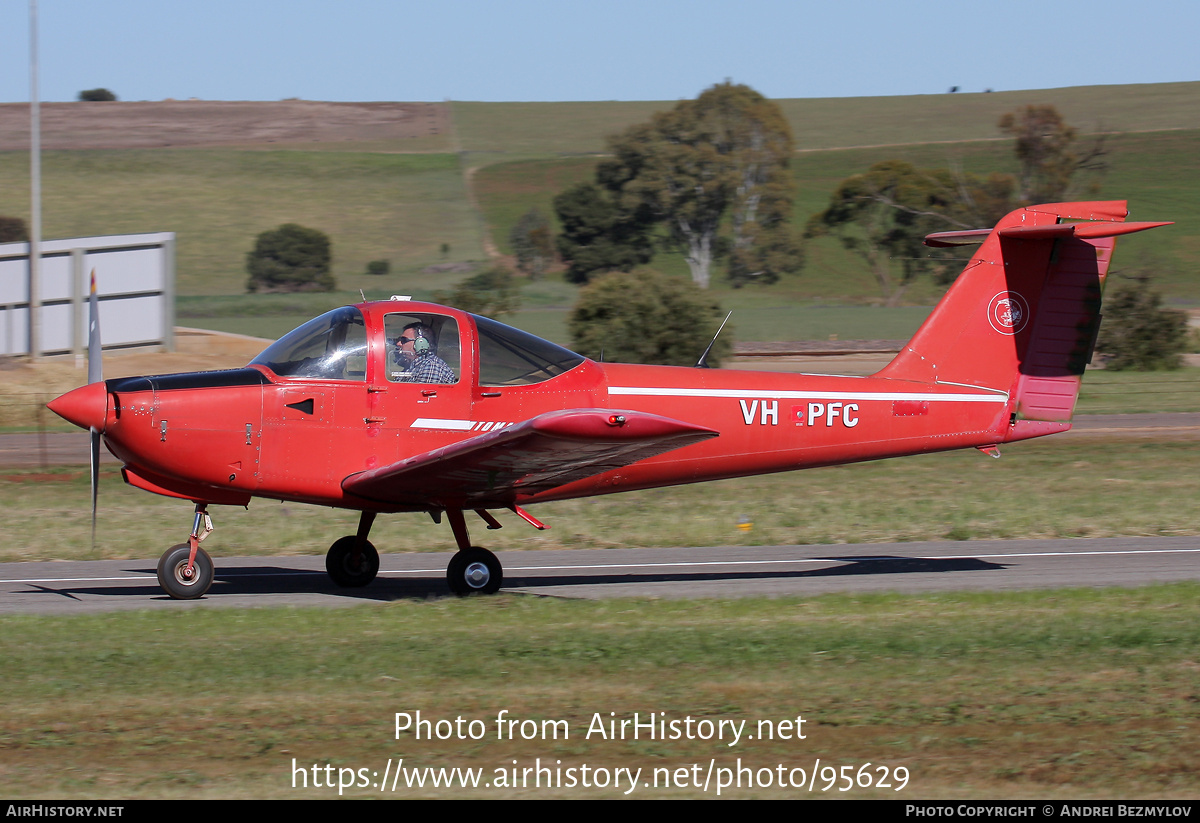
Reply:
x=135, y=283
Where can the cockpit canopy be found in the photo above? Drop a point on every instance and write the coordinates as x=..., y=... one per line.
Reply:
x=330, y=347
x=421, y=347
x=511, y=357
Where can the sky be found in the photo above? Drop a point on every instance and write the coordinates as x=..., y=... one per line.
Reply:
x=537, y=50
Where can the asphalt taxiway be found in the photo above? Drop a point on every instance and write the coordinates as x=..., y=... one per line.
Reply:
x=729, y=571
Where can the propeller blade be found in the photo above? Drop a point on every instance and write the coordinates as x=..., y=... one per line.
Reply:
x=95, y=478
x=95, y=375
x=95, y=367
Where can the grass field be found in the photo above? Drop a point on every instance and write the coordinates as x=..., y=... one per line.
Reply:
x=1051, y=694
x=1107, y=392
x=399, y=207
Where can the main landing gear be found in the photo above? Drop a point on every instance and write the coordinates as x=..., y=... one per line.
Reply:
x=352, y=561
x=472, y=570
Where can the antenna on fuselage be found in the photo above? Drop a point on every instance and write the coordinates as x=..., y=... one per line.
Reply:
x=702, y=363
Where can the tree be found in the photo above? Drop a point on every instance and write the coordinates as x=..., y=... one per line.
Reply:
x=533, y=243
x=726, y=152
x=644, y=316
x=492, y=293
x=290, y=258
x=12, y=229
x=600, y=235
x=1045, y=150
x=1137, y=333
x=884, y=215
x=97, y=96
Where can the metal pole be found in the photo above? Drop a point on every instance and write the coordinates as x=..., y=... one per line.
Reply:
x=79, y=322
x=35, y=175
x=168, y=332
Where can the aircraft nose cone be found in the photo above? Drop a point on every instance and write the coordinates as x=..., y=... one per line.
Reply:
x=86, y=406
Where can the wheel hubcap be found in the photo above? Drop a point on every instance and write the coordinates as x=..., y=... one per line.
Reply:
x=184, y=575
x=477, y=575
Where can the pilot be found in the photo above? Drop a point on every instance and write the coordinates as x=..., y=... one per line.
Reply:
x=416, y=354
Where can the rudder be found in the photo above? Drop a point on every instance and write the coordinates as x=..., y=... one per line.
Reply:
x=1022, y=317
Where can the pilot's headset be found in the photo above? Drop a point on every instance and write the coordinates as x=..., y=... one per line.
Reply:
x=421, y=343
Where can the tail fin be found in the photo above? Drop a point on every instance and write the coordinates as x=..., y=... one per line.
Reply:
x=1022, y=317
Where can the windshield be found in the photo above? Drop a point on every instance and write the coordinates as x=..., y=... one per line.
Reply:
x=511, y=357
x=330, y=347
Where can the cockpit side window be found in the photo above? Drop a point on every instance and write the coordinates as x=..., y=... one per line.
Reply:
x=422, y=348
x=330, y=347
x=511, y=357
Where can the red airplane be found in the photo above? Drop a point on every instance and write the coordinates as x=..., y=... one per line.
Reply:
x=402, y=406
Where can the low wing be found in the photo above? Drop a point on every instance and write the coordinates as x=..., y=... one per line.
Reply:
x=501, y=467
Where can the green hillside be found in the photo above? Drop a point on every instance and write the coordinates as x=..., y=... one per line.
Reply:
x=1157, y=172
x=400, y=207
x=824, y=123
x=379, y=202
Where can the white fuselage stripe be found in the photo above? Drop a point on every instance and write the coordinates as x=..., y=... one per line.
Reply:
x=438, y=423
x=446, y=424
x=755, y=394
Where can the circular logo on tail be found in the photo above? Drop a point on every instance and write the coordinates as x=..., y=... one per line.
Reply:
x=1008, y=312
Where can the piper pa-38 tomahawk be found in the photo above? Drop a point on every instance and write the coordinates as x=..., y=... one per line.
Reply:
x=401, y=406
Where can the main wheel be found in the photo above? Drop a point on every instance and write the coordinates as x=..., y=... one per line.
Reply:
x=474, y=571
x=339, y=562
x=177, y=581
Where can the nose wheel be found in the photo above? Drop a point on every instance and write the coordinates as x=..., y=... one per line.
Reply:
x=185, y=571
x=183, y=580
x=474, y=571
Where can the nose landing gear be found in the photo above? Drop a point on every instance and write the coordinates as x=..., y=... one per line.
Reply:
x=185, y=571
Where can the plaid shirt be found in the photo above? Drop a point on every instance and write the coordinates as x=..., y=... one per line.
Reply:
x=429, y=368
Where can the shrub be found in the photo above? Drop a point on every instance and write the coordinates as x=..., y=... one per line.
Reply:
x=491, y=293
x=644, y=316
x=533, y=243
x=379, y=267
x=1137, y=334
x=288, y=259
x=12, y=229
x=97, y=96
